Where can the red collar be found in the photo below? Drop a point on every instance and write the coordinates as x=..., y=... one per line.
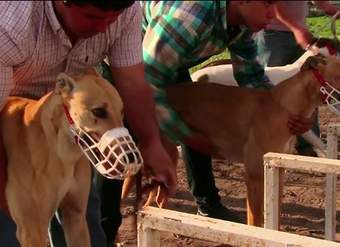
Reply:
x=322, y=82
x=331, y=49
x=68, y=116
x=319, y=77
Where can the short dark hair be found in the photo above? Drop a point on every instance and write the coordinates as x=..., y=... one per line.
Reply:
x=105, y=5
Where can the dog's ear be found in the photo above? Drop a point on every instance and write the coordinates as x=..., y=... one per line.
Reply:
x=313, y=62
x=64, y=84
x=328, y=46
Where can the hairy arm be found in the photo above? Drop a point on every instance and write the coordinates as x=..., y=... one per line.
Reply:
x=125, y=56
x=302, y=35
x=139, y=109
x=138, y=101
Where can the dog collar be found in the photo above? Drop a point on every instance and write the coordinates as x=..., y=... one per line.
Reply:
x=322, y=82
x=71, y=123
x=319, y=77
x=68, y=116
x=331, y=49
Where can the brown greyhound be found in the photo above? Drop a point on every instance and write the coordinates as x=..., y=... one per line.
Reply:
x=244, y=124
x=46, y=168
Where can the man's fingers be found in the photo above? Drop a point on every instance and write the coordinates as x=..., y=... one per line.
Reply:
x=298, y=125
x=150, y=186
x=169, y=185
x=162, y=196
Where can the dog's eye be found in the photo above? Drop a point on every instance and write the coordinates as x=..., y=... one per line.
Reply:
x=99, y=112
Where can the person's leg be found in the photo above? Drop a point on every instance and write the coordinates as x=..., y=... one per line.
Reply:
x=201, y=179
x=56, y=233
x=202, y=185
x=110, y=208
x=7, y=231
x=93, y=217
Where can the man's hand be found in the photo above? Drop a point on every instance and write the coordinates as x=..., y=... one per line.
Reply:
x=283, y=14
x=299, y=125
x=303, y=37
x=158, y=162
x=139, y=110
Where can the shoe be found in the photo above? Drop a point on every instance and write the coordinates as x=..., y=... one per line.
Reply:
x=219, y=212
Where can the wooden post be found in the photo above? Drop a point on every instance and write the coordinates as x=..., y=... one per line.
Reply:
x=331, y=167
x=330, y=190
x=271, y=197
x=147, y=237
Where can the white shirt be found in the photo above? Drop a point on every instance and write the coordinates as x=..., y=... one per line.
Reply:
x=34, y=48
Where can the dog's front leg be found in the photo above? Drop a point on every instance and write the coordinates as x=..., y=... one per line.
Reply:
x=73, y=208
x=32, y=236
x=255, y=189
x=32, y=224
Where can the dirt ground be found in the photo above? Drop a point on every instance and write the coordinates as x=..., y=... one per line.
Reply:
x=303, y=204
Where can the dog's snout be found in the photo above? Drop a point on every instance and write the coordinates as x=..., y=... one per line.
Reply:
x=85, y=139
x=130, y=158
x=337, y=96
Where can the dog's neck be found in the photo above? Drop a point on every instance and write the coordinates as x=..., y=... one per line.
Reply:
x=48, y=111
x=299, y=95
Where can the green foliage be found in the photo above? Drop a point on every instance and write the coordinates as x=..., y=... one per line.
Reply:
x=320, y=26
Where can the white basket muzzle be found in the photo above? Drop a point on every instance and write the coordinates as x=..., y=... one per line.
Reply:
x=331, y=97
x=115, y=155
x=329, y=94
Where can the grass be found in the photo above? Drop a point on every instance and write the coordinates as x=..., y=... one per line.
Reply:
x=319, y=26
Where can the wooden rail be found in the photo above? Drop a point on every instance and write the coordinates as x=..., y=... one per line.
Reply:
x=273, y=162
x=153, y=220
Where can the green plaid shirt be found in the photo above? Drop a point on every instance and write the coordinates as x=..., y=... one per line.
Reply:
x=181, y=34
